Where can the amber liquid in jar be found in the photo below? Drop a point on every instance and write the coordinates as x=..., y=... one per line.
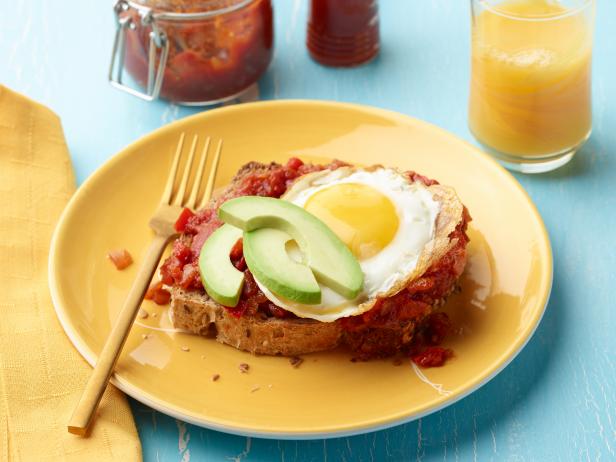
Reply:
x=343, y=32
x=210, y=59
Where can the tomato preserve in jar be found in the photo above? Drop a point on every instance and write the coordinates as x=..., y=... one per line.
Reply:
x=192, y=52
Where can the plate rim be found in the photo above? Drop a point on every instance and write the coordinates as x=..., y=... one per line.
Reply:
x=140, y=395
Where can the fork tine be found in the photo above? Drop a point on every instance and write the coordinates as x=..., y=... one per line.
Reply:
x=179, y=198
x=192, y=200
x=209, y=187
x=166, y=198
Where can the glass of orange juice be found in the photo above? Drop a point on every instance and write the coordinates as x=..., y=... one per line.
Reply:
x=530, y=80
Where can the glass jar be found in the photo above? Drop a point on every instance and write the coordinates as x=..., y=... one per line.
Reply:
x=192, y=52
x=343, y=33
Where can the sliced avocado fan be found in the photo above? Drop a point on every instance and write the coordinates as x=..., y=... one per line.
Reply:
x=326, y=255
x=266, y=256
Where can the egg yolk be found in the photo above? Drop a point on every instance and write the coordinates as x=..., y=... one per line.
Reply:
x=361, y=216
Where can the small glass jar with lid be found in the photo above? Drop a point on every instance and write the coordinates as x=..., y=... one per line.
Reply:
x=193, y=52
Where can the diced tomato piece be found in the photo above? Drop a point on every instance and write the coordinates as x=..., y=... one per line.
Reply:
x=120, y=258
x=278, y=312
x=439, y=326
x=202, y=216
x=432, y=357
x=237, y=311
x=205, y=231
x=237, y=251
x=294, y=163
x=171, y=270
x=250, y=288
x=183, y=253
x=180, y=224
x=190, y=278
x=158, y=294
x=241, y=264
x=237, y=256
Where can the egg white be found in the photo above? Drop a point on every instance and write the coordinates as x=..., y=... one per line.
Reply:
x=417, y=211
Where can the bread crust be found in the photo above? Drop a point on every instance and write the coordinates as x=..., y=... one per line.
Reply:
x=201, y=315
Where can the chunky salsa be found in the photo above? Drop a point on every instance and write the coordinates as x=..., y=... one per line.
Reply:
x=209, y=59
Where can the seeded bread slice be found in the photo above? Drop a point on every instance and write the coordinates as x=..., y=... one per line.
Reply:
x=201, y=315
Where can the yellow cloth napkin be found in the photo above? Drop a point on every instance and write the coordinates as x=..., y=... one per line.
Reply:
x=41, y=374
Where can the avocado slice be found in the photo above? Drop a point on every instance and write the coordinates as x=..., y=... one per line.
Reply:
x=331, y=261
x=266, y=256
x=223, y=282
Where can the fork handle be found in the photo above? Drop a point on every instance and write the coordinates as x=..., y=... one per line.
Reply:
x=84, y=412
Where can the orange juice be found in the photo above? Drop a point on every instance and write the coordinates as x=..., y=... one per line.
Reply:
x=530, y=82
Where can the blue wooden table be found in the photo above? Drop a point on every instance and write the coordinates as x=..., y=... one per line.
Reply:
x=557, y=400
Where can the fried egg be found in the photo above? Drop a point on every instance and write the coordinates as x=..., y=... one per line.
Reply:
x=382, y=216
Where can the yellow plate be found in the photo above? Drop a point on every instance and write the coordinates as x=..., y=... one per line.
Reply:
x=504, y=290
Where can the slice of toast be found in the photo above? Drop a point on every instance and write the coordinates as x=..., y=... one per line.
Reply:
x=199, y=314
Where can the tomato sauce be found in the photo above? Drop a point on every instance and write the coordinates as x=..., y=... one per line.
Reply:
x=432, y=357
x=182, y=221
x=158, y=294
x=209, y=59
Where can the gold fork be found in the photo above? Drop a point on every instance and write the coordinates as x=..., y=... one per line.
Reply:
x=162, y=223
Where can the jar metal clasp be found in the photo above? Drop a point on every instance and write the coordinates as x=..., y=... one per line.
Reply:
x=158, y=45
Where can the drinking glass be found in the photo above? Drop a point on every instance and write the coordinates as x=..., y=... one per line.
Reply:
x=530, y=95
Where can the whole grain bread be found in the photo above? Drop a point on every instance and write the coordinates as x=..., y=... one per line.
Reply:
x=201, y=315
x=196, y=312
